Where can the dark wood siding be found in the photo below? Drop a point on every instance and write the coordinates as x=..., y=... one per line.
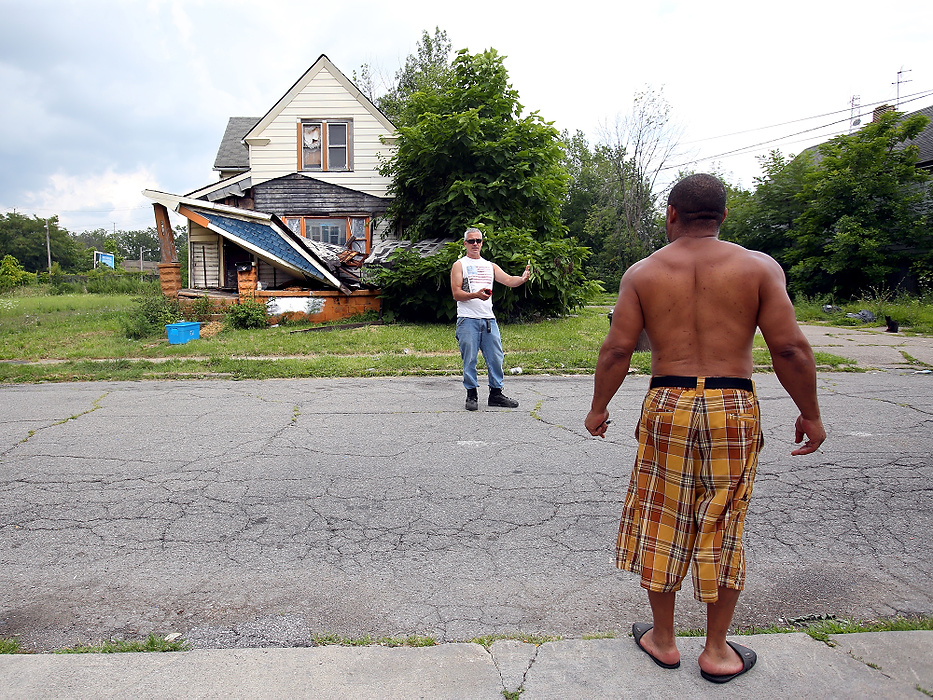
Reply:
x=297, y=195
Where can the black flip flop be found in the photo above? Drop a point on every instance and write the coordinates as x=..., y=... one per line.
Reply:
x=748, y=660
x=638, y=631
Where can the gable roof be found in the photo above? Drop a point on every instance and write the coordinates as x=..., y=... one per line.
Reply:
x=233, y=154
x=322, y=63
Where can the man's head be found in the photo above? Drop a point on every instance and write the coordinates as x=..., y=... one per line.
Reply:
x=699, y=201
x=473, y=240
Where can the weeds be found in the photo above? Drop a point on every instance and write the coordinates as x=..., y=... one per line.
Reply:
x=537, y=639
x=151, y=643
x=152, y=314
x=10, y=646
x=329, y=639
x=248, y=314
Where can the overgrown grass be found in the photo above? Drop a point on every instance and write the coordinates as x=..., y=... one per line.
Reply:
x=82, y=338
x=914, y=314
x=150, y=643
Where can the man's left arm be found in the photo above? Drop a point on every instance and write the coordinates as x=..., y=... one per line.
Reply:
x=511, y=280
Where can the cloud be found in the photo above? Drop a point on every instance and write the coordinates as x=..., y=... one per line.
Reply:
x=103, y=200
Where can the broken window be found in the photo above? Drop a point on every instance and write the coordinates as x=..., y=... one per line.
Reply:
x=325, y=145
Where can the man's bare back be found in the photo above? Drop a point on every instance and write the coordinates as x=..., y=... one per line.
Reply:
x=700, y=301
x=699, y=298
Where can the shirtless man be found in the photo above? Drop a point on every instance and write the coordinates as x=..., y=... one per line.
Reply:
x=699, y=300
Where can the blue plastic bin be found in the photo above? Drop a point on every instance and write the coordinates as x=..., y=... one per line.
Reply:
x=180, y=333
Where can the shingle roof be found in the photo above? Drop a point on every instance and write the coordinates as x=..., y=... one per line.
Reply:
x=233, y=154
x=380, y=253
x=265, y=238
x=924, y=142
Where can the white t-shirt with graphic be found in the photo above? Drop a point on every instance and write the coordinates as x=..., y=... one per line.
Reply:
x=477, y=274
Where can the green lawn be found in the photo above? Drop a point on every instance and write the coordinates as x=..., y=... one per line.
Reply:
x=80, y=337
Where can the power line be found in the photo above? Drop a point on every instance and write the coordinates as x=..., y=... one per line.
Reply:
x=744, y=150
x=913, y=97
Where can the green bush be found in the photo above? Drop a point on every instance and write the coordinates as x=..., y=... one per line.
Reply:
x=152, y=314
x=418, y=289
x=202, y=309
x=249, y=313
x=13, y=275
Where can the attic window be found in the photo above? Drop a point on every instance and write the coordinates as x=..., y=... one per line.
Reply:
x=324, y=144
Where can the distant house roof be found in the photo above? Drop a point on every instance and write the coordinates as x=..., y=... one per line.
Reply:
x=233, y=154
x=924, y=142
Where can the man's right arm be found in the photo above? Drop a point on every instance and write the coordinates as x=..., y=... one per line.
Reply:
x=615, y=355
x=791, y=355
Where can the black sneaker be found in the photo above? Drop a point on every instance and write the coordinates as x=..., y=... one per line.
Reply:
x=497, y=398
x=472, y=403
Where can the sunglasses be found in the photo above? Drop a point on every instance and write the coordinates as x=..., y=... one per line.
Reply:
x=474, y=241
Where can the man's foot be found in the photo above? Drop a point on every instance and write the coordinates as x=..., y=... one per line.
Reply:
x=731, y=668
x=639, y=629
x=497, y=398
x=472, y=402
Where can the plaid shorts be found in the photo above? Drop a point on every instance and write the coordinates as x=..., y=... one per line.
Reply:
x=689, y=491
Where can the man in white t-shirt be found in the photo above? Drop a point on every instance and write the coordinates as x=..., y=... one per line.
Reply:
x=471, y=280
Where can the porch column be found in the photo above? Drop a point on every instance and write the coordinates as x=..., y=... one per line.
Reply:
x=170, y=278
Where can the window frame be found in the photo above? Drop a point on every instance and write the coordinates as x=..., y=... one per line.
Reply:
x=348, y=231
x=326, y=146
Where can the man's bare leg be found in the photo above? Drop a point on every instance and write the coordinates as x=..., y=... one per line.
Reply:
x=717, y=657
x=659, y=641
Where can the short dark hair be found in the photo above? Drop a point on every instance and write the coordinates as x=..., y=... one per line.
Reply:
x=699, y=196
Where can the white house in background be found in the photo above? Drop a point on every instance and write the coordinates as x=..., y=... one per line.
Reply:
x=300, y=199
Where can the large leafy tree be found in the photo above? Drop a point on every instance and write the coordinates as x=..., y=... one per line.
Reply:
x=25, y=239
x=467, y=156
x=612, y=203
x=763, y=219
x=427, y=70
x=866, y=220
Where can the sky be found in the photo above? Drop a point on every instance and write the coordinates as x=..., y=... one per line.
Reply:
x=100, y=99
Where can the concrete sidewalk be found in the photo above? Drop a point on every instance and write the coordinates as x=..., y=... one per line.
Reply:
x=873, y=348
x=866, y=665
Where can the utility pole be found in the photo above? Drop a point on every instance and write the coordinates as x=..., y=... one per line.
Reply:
x=897, y=103
x=48, y=246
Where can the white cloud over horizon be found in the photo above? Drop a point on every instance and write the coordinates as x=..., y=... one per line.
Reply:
x=104, y=96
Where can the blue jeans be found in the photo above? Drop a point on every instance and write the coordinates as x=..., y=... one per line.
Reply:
x=473, y=338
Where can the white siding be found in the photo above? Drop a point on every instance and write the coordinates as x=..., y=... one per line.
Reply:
x=270, y=276
x=323, y=98
x=204, y=258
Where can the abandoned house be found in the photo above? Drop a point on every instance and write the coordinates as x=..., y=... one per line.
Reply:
x=297, y=208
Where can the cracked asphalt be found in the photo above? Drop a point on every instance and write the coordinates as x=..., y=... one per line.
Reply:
x=260, y=513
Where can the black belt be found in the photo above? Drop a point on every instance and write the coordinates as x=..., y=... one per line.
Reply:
x=710, y=383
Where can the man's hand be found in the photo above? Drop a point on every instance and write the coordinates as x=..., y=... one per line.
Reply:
x=813, y=430
x=597, y=422
x=483, y=294
x=527, y=273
